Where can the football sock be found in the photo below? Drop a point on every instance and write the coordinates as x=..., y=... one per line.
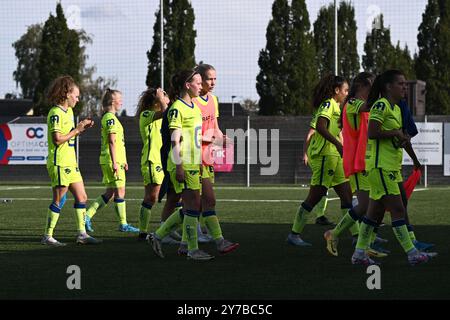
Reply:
x=174, y=220
x=80, y=212
x=300, y=218
x=353, y=228
x=144, y=216
x=373, y=236
x=190, y=228
x=365, y=232
x=321, y=207
x=96, y=205
x=212, y=223
x=401, y=233
x=411, y=233
x=52, y=219
x=121, y=210
x=348, y=220
x=202, y=221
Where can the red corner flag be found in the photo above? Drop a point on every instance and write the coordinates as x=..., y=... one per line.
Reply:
x=411, y=182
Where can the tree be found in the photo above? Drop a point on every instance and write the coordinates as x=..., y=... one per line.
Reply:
x=271, y=81
x=60, y=54
x=179, y=42
x=74, y=60
x=182, y=46
x=302, y=69
x=443, y=55
x=378, y=48
x=27, y=74
x=401, y=60
x=432, y=61
x=11, y=96
x=324, y=39
x=348, y=59
x=381, y=55
x=288, y=67
x=153, y=78
x=426, y=59
x=92, y=91
x=250, y=105
x=27, y=53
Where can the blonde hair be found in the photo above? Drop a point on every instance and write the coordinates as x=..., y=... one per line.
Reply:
x=203, y=68
x=108, y=98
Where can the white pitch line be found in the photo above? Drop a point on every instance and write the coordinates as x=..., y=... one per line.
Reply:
x=415, y=190
x=220, y=200
x=5, y=188
x=139, y=188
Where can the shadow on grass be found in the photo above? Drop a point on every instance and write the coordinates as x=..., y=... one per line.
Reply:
x=264, y=267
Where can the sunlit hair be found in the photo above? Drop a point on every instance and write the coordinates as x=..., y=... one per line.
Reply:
x=203, y=69
x=59, y=89
x=108, y=98
x=147, y=100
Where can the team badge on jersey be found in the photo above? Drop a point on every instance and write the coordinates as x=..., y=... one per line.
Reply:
x=54, y=119
x=326, y=105
x=379, y=106
x=173, y=114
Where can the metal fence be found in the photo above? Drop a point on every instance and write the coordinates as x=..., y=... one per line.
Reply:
x=292, y=131
x=230, y=36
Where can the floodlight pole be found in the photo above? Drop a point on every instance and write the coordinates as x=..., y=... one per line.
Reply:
x=248, y=151
x=232, y=105
x=335, y=38
x=162, y=43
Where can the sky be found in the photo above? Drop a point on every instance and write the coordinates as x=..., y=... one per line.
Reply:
x=230, y=35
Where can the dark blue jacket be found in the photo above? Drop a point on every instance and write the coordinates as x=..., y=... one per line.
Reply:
x=165, y=149
x=165, y=134
x=408, y=122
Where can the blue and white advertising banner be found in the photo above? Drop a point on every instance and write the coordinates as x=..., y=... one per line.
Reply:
x=23, y=143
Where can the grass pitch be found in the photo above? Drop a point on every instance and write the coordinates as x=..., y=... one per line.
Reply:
x=264, y=267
